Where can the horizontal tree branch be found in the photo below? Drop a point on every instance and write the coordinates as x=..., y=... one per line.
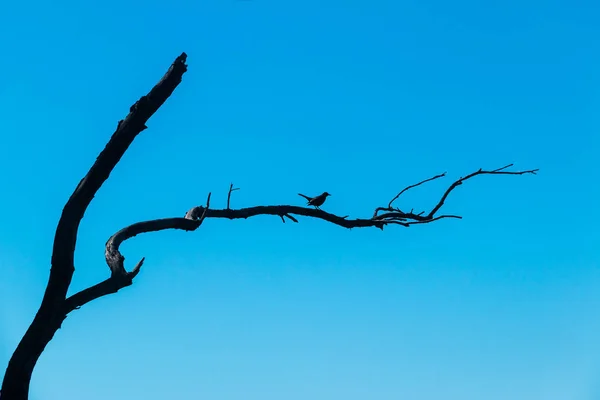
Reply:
x=120, y=278
x=420, y=218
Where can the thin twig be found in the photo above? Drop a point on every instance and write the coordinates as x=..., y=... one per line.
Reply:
x=231, y=189
x=413, y=186
x=291, y=217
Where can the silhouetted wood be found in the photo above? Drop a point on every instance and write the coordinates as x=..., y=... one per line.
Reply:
x=56, y=306
x=53, y=311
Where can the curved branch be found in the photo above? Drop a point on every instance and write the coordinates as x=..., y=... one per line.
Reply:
x=413, y=186
x=120, y=278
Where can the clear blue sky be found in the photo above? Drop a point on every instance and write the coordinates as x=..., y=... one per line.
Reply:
x=358, y=98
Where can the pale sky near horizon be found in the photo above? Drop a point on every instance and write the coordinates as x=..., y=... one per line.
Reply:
x=355, y=98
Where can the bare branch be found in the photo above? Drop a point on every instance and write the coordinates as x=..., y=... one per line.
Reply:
x=119, y=277
x=66, y=233
x=413, y=186
x=293, y=219
x=499, y=171
x=137, y=268
x=284, y=216
x=127, y=130
x=425, y=221
x=203, y=215
x=393, y=216
x=195, y=216
x=231, y=189
x=394, y=213
x=390, y=208
x=287, y=210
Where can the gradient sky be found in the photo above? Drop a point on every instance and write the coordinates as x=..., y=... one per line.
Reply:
x=356, y=98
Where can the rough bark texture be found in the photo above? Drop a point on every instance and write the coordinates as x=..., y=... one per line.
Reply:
x=56, y=306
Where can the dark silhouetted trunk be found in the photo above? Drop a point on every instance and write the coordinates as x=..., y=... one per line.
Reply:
x=20, y=367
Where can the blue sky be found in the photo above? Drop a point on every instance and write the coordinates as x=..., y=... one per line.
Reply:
x=356, y=98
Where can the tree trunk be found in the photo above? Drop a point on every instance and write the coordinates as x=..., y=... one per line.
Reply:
x=55, y=306
x=20, y=367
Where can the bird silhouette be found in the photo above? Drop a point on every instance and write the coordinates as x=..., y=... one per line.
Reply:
x=316, y=201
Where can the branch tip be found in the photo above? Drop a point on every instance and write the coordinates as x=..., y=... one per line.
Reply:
x=136, y=269
x=414, y=186
x=231, y=189
x=291, y=217
x=127, y=130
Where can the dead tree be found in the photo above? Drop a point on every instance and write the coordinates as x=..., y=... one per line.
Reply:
x=56, y=305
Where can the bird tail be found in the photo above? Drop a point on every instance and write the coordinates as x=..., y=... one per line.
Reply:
x=305, y=196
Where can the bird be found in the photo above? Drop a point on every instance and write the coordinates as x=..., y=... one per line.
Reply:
x=316, y=201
